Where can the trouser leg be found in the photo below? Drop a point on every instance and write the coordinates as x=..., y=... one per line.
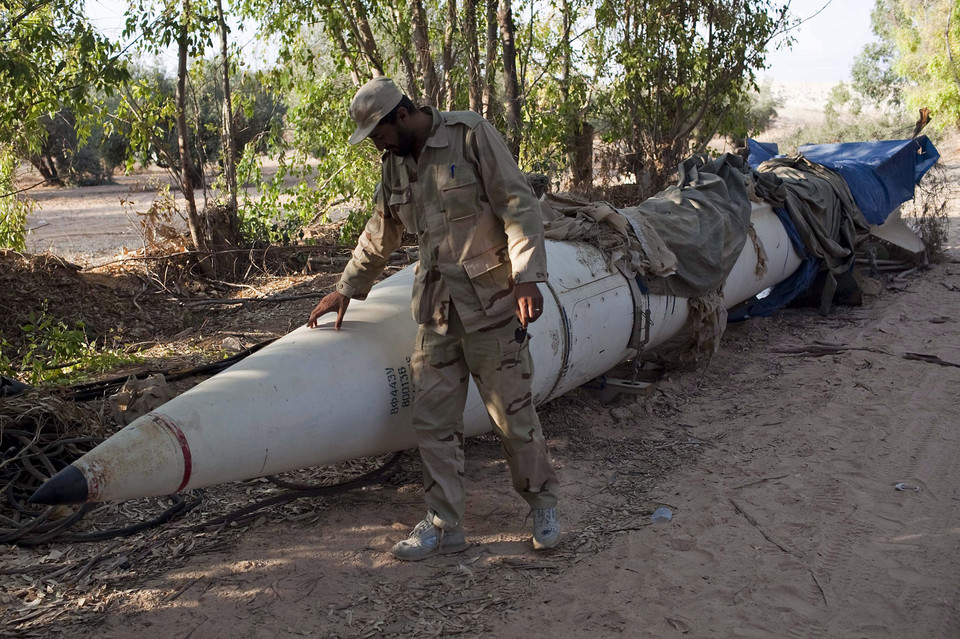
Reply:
x=503, y=371
x=440, y=381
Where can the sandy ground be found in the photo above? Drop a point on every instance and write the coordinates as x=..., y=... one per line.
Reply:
x=787, y=524
x=781, y=470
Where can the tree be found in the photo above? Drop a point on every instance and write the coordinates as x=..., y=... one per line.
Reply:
x=874, y=76
x=50, y=59
x=71, y=153
x=187, y=25
x=671, y=63
x=229, y=136
x=511, y=82
x=920, y=43
x=194, y=224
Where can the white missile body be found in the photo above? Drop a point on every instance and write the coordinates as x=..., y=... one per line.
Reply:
x=320, y=396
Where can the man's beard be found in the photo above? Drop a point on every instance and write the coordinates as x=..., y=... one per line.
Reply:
x=407, y=141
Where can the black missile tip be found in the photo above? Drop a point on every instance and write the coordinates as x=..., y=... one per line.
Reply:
x=69, y=486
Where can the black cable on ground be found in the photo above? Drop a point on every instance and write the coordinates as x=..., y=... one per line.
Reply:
x=28, y=465
x=96, y=390
x=298, y=491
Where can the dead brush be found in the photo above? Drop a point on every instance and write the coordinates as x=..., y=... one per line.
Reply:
x=927, y=212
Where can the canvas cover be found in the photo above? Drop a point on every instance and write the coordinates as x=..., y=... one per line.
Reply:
x=683, y=241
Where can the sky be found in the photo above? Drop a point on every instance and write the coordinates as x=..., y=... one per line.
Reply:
x=825, y=46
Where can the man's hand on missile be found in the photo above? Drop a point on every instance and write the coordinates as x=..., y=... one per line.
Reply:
x=529, y=302
x=334, y=301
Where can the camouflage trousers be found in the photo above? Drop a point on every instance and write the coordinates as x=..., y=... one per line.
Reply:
x=503, y=370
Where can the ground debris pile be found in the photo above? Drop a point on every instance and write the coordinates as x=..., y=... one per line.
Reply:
x=38, y=289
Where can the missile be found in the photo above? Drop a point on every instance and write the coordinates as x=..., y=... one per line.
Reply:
x=320, y=396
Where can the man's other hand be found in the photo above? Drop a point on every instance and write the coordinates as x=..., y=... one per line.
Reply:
x=529, y=302
x=331, y=302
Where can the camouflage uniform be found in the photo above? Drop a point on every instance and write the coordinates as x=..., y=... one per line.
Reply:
x=480, y=233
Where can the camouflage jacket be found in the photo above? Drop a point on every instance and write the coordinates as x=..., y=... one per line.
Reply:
x=476, y=218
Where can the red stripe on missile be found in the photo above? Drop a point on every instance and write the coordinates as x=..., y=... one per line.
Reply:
x=184, y=446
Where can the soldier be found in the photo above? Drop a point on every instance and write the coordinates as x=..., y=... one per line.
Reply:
x=450, y=179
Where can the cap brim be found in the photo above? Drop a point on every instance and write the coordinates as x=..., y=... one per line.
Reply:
x=361, y=133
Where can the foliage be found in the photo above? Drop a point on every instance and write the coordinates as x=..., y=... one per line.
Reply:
x=556, y=89
x=318, y=173
x=922, y=38
x=352, y=227
x=146, y=116
x=660, y=76
x=256, y=110
x=50, y=57
x=14, y=208
x=74, y=154
x=928, y=214
x=879, y=126
x=55, y=353
x=747, y=114
x=675, y=67
x=874, y=76
x=848, y=119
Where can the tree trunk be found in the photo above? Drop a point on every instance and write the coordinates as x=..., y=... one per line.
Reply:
x=489, y=90
x=365, y=38
x=228, y=228
x=183, y=140
x=348, y=56
x=401, y=40
x=421, y=42
x=449, y=27
x=511, y=84
x=45, y=165
x=229, y=135
x=577, y=132
x=581, y=156
x=474, y=81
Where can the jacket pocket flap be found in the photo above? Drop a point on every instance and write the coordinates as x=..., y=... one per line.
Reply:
x=485, y=262
x=457, y=182
x=399, y=197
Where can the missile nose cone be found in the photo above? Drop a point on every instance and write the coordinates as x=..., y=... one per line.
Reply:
x=69, y=486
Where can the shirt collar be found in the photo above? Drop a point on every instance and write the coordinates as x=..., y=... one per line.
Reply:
x=438, y=137
x=438, y=133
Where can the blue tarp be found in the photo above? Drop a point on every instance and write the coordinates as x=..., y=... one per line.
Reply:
x=881, y=175
x=760, y=152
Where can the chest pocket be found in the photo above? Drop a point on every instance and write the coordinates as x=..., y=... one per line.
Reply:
x=401, y=204
x=459, y=192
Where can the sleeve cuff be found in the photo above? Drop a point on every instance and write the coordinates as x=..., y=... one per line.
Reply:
x=348, y=290
x=529, y=259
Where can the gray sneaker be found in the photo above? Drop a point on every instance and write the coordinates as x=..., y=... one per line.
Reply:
x=427, y=540
x=546, y=528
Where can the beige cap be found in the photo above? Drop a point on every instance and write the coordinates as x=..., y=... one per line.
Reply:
x=372, y=102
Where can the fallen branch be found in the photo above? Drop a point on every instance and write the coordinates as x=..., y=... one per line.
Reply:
x=758, y=481
x=753, y=522
x=206, y=254
x=930, y=359
x=819, y=349
x=250, y=300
